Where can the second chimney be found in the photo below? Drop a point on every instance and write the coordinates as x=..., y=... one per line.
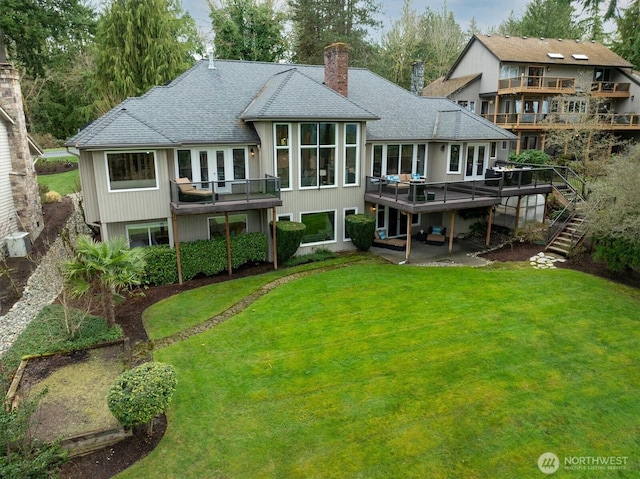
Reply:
x=417, y=78
x=336, y=67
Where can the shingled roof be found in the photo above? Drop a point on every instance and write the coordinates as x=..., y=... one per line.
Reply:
x=536, y=50
x=218, y=105
x=442, y=88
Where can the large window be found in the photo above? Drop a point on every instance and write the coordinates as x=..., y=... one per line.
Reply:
x=131, y=170
x=397, y=159
x=351, y=153
x=148, y=234
x=348, y=212
x=317, y=154
x=320, y=227
x=237, y=226
x=283, y=155
x=454, y=164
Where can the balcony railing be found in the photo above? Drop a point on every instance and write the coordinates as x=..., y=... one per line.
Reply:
x=220, y=192
x=610, y=89
x=540, y=84
x=550, y=120
x=505, y=183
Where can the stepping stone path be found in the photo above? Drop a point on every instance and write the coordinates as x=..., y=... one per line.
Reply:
x=545, y=261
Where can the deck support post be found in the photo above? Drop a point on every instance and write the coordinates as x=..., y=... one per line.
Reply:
x=408, y=251
x=451, y=225
x=517, y=219
x=489, y=221
x=228, y=237
x=176, y=244
x=275, y=243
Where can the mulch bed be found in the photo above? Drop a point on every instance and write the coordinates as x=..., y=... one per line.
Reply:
x=110, y=461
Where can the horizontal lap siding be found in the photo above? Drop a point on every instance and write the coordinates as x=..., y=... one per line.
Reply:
x=131, y=206
x=7, y=210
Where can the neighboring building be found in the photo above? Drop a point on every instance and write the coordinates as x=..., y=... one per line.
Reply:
x=528, y=85
x=231, y=145
x=20, y=209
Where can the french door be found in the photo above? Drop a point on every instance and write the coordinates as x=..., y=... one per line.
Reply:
x=219, y=167
x=475, y=161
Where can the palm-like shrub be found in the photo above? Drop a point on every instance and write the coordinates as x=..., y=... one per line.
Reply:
x=104, y=268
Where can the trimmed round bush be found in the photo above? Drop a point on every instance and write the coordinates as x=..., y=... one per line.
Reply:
x=289, y=234
x=360, y=228
x=141, y=393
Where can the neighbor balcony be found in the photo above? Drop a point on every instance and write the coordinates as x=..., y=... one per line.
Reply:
x=537, y=84
x=188, y=198
x=610, y=89
x=541, y=121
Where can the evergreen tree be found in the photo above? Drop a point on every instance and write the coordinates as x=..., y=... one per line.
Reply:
x=33, y=33
x=551, y=19
x=318, y=23
x=139, y=44
x=443, y=40
x=627, y=44
x=246, y=30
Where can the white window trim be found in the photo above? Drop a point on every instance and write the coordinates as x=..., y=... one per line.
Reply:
x=155, y=224
x=335, y=235
x=124, y=190
x=209, y=218
x=288, y=149
x=357, y=147
x=318, y=147
x=279, y=216
x=460, y=157
x=344, y=222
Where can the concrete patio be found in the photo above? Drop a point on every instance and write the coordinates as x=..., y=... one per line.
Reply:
x=463, y=254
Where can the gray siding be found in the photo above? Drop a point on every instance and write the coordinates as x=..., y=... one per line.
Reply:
x=130, y=206
x=89, y=192
x=7, y=210
x=479, y=60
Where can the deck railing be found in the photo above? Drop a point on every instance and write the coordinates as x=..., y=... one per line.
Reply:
x=215, y=192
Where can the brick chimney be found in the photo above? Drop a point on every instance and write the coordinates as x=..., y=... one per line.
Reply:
x=417, y=78
x=23, y=178
x=336, y=67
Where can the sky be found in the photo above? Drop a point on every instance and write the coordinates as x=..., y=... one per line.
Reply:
x=487, y=13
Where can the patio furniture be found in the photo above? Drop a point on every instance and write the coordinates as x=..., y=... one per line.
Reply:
x=381, y=241
x=188, y=192
x=436, y=235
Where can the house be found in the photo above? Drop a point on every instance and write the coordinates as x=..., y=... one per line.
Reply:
x=528, y=85
x=20, y=209
x=230, y=146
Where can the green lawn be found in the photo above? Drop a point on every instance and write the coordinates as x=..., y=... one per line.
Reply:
x=379, y=371
x=63, y=183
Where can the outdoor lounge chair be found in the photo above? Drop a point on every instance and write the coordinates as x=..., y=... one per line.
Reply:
x=188, y=192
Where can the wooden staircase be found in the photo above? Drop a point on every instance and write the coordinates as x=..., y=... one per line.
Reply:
x=570, y=236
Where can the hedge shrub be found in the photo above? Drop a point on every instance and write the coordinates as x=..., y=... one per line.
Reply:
x=618, y=253
x=289, y=235
x=208, y=257
x=141, y=393
x=360, y=228
x=531, y=157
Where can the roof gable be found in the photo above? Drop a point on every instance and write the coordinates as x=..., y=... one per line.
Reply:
x=293, y=95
